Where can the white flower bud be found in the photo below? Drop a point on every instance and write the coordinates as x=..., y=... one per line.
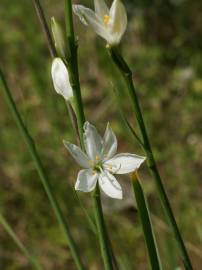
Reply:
x=60, y=78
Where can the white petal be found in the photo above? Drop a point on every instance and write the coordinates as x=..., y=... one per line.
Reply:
x=80, y=157
x=92, y=141
x=109, y=143
x=60, y=78
x=86, y=180
x=123, y=163
x=87, y=16
x=118, y=21
x=110, y=185
x=101, y=8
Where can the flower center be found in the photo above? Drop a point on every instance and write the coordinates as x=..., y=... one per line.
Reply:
x=106, y=19
x=97, y=168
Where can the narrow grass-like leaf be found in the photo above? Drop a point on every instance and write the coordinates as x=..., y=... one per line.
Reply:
x=42, y=174
x=146, y=223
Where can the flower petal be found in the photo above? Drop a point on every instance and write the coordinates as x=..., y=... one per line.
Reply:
x=123, y=163
x=60, y=78
x=118, y=21
x=86, y=180
x=109, y=143
x=80, y=157
x=110, y=185
x=87, y=16
x=101, y=8
x=92, y=141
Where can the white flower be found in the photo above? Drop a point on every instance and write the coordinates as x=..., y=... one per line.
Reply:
x=110, y=24
x=60, y=78
x=100, y=162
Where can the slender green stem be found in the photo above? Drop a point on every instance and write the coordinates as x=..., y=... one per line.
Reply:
x=127, y=75
x=46, y=184
x=102, y=234
x=44, y=25
x=73, y=121
x=20, y=245
x=75, y=82
x=146, y=223
x=69, y=21
x=93, y=228
x=73, y=67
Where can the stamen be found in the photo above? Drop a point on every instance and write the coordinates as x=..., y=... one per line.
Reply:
x=94, y=172
x=106, y=19
x=91, y=163
x=110, y=168
x=97, y=157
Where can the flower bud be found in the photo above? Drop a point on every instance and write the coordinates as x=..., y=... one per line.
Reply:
x=58, y=37
x=60, y=78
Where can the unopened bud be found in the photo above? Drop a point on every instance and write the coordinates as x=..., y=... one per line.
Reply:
x=58, y=37
x=60, y=78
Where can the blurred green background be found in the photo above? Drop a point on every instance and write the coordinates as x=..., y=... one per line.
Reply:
x=163, y=45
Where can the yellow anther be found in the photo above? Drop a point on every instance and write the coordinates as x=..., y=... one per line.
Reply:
x=90, y=162
x=94, y=172
x=110, y=167
x=106, y=19
x=97, y=157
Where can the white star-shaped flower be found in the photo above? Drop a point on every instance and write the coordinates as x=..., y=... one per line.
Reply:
x=110, y=24
x=100, y=162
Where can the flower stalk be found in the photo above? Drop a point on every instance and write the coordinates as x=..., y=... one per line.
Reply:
x=42, y=174
x=127, y=76
x=73, y=68
x=146, y=223
x=101, y=229
x=75, y=82
x=20, y=245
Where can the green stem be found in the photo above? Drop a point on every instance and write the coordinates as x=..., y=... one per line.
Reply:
x=146, y=224
x=93, y=228
x=102, y=234
x=20, y=245
x=34, y=154
x=75, y=83
x=73, y=68
x=127, y=75
x=44, y=25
